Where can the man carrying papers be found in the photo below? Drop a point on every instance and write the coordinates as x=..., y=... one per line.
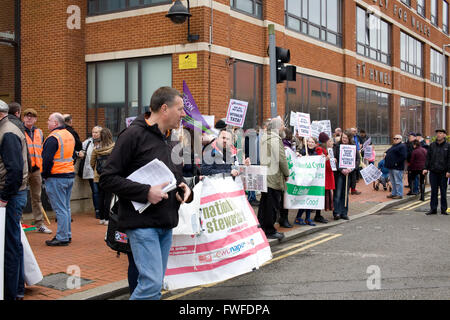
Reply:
x=149, y=232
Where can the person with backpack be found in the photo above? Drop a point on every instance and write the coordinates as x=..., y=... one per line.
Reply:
x=98, y=162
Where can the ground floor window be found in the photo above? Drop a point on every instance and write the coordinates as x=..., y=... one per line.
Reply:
x=435, y=117
x=121, y=89
x=410, y=116
x=321, y=98
x=372, y=114
x=246, y=85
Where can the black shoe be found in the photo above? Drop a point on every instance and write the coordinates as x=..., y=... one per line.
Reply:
x=431, y=212
x=336, y=216
x=254, y=203
x=320, y=219
x=276, y=235
x=444, y=213
x=345, y=217
x=56, y=243
x=285, y=224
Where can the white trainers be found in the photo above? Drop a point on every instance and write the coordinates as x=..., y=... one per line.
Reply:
x=102, y=222
x=106, y=222
x=44, y=229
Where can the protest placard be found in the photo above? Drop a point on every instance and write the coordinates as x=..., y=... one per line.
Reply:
x=347, y=156
x=2, y=249
x=370, y=174
x=230, y=245
x=368, y=152
x=303, y=124
x=254, y=178
x=332, y=159
x=236, y=113
x=305, y=187
x=129, y=120
x=293, y=119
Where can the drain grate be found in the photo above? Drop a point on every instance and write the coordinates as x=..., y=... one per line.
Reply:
x=62, y=281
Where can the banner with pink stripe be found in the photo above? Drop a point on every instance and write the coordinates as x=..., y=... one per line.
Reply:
x=231, y=243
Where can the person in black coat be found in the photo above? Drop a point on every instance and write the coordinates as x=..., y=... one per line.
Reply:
x=395, y=159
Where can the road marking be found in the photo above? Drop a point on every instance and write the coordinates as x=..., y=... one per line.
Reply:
x=418, y=205
x=325, y=237
x=417, y=202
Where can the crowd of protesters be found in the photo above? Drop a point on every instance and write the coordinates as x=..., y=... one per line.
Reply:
x=29, y=159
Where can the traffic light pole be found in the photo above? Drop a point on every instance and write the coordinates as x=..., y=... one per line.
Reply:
x=273, y=72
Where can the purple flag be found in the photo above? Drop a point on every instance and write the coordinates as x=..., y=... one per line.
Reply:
x=192, y=113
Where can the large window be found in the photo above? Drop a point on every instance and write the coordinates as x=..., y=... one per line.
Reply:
x=251, y=7
x=106, y=6
x=407, y=2
x=320, y=19
x=247, y=84
x=421, y=7
x=410, y=54
x=434, y=12
x=372, y=114
x=321, y=98
x=445, y=16
x=435, y=117
x=121, y=89
x=410, y=116
x=372, y=36
x=436, y=66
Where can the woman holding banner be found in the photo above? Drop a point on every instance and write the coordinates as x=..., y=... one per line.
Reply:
x=340, y=199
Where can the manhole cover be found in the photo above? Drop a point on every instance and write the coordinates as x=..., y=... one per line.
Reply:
x=62, y=281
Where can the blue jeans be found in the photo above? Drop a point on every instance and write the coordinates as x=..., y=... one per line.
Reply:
x=14, y=268
x=94, y=189
x=340, y=206
x=396, y=177
x=59, y=191
x=150, y=247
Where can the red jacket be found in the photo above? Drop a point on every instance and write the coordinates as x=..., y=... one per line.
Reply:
x=329, y=175
x=418, y=158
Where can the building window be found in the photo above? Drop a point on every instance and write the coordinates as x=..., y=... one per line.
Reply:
x=251, y=7
x=434, y=12
x=410, y=54
x=436, y=66
x=106, y=6
x=445, y=17
x=320, y=19
x=372, y=114
x=372, y=36
x=407, y=2
x=410, y=116
x=421, y=7
x=121, y=89
x=321, y=98
x=247, y=84
x=435, y=117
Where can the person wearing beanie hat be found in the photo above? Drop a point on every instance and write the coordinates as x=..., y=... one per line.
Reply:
x=220, y=124
x=323, y=137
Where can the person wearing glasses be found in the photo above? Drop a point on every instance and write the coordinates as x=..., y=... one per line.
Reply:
x=395, y=162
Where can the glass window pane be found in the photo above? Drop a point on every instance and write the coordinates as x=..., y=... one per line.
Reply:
x=361, y=25
x=305, y=9
x=314, y=11
x=332, y=15
x=294, y=7
x=111, y=83
x=384, y=37
x=133, y=103
x=244, y=5
x=403, y=46
x=91, y=85
x=313, y=31
x=156, y=72
x=293, y=23
x=324, y=13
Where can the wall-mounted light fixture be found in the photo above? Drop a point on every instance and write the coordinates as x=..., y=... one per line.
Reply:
x=178, y=13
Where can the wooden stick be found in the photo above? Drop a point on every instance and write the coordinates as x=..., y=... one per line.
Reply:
x=45, y=215
x=346, y=190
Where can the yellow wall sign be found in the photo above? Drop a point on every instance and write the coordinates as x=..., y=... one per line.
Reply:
x=187, y=61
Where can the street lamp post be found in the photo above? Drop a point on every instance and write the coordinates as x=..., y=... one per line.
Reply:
x=444, y=122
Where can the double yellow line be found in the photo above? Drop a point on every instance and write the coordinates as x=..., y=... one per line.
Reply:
x=291, y=250
x=414, y=204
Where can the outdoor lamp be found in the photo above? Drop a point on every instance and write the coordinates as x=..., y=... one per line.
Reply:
x=178, y=14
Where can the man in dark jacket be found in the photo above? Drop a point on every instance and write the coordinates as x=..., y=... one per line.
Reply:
x=438, y=165
x=395, y=161
x=150, y=232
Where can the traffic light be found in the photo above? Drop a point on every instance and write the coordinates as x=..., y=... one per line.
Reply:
x=284, y=72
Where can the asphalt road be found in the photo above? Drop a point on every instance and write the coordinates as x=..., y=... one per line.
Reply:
x=399, y=253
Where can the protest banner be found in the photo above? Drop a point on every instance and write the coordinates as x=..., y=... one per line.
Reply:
x=32, y=272
x=2, y=249
x=254, y=178
x=370, y=174
x=347, y=156
x=231, y=243
x=306, y=183
x=303, y=124
x=236, y=113
x=293, y=119
x=194, y=119
x=332, y=159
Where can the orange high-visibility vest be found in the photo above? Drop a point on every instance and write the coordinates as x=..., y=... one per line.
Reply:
x=63, y=161
x=35, y=147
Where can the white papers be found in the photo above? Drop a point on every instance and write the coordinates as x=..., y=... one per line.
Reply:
x=32, y=272
x=153, y=173
x=332, y=159
x=370, y=174
x=254, y=178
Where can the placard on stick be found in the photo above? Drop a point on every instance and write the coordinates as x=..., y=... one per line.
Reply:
x=347, y=156
x=236, y=113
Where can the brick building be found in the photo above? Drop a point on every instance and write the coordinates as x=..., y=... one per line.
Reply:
x=374, y=64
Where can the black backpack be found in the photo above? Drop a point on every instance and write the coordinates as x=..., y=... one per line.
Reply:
x=116, y=240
